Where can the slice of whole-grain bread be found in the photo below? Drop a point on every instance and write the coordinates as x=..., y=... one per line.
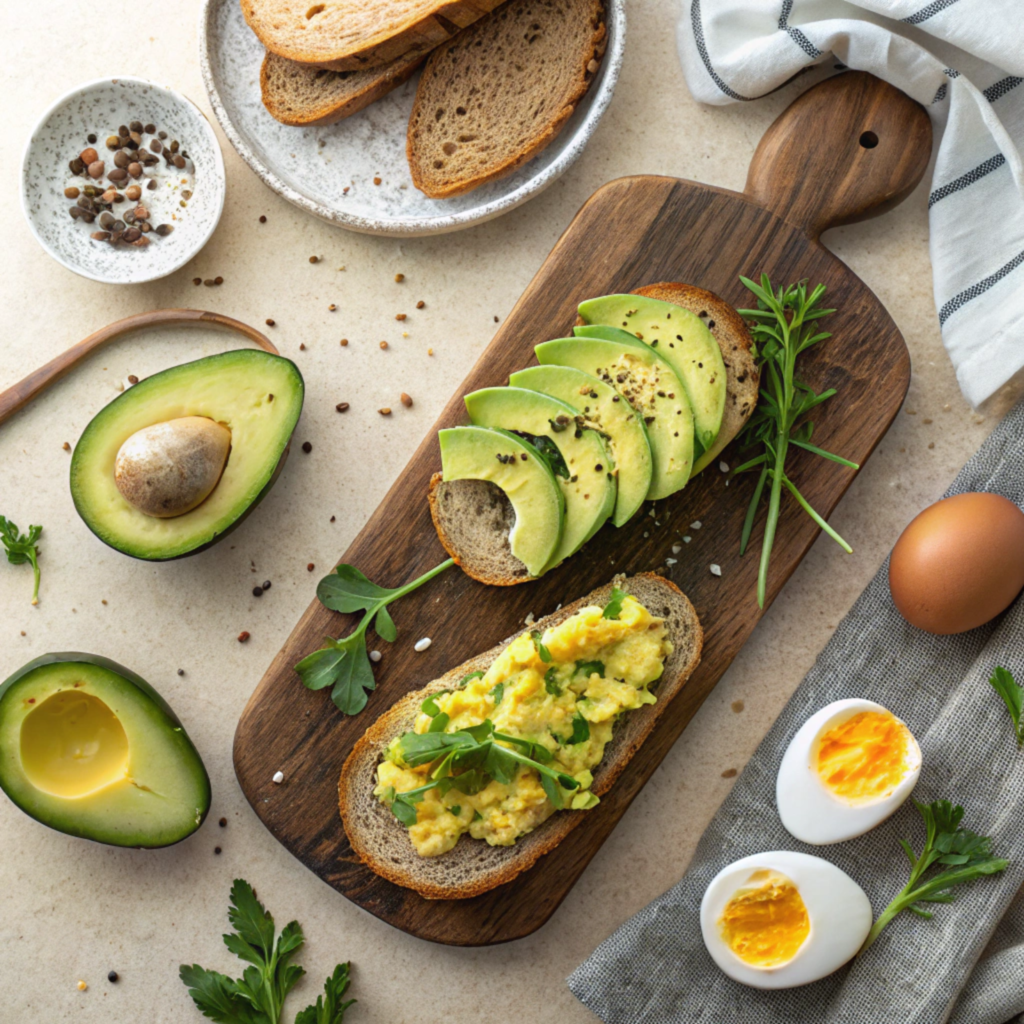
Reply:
x=499, y=92
x=352, y=35
x=472, y=867
x=303, y=95
x=729, y=330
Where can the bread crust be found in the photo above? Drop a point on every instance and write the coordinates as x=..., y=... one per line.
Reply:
x=590, y=55
x=418, y=36
x=372, y=86
x=481, y=868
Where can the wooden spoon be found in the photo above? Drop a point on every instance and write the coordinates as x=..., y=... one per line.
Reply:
x=20, y=394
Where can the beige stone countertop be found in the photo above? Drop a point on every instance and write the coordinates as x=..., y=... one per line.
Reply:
x=73, y=910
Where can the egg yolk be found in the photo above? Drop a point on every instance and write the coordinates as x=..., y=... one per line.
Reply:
x=765, y=923
x=865, y=757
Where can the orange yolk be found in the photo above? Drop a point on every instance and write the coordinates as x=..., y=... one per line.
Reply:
x=865, y=757
x=765, y=923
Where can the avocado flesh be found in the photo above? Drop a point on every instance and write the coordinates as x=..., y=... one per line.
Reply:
x=651, y=386
x=590, y=489
x=91, y=749
x=607, y=412
x=234, y=389
x=684, y=340
x=472, y=453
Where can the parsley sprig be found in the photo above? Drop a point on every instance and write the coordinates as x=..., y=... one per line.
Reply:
x=22, y=548
x=784, y=327
x=258, y=996
x=1013, y=697
x=343, y=664
x=959, y=855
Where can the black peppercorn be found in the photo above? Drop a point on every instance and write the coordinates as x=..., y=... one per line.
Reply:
x=257, y=591
x=307, y=447
x=112, y=976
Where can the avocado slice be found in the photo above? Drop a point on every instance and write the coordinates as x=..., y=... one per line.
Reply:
x=651, y=386
x=255, y=395
x=91, y=749
x=579, y=459
x=514, y=465
x=682, y=338
x=603, y=409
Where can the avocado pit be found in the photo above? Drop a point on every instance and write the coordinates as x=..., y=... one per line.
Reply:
x=170, y=468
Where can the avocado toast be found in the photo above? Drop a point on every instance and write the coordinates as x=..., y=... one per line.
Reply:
x=472, y=867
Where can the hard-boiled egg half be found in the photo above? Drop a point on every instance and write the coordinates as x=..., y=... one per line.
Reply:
x=782, y=919
x=849, y=767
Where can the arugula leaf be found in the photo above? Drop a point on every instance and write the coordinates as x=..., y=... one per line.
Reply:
x=588, y=668
x=962, y=854
x=329, y=1009
x=580, y=729
x=22, y=549
x=613, y=609
x=551, y=682
x=258, y=996
x=1013, y=697
x=344, y=664
x=469, y=677
x=430, y=705
x=542, y=651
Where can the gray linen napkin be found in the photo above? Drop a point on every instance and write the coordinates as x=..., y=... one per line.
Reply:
x=967, y=964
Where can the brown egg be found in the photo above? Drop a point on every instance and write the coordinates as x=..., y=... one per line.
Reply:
x=959, y=563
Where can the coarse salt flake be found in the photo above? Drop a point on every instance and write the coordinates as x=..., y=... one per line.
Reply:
x=676, y=548
x=671, y=561
x=724, y=467
x=716, y=570
x=375, y=655
x=695, y=525
x=279, y=777
x=422, y=645
x=686, y=540
x=529, y=619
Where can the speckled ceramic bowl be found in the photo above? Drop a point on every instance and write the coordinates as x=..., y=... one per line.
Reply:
x=101, y=107
x=329, y=171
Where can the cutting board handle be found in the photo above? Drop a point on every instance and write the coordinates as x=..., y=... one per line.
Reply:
x=848, y=149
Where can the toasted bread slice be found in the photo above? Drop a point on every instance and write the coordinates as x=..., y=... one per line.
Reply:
x=473, y=867
x=303, y=95
x=729, y=330
x=499, y=92
x=353, y=35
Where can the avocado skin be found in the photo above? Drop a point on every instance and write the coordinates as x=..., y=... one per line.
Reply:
x=173, y=722
x=213, y=540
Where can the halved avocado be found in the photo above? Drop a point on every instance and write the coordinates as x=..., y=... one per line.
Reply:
x=91, y=749
x=606, y=411
x=651, y=386
x=255, y=395
x=578, y=456
x=682, y=338
x=515, y=466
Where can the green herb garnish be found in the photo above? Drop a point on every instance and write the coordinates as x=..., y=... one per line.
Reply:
x=469, y=677
x=1013, y=697
x=344, y=664
x=551, y=682
x=548, y=451
x=613, y=609
x=21, y=549
x=961, y=855
x=580, y=729
x=542, y=651
x=258, y=996
x=784, y=327
x=497, y=692
x=455, y=809
x=589, y=668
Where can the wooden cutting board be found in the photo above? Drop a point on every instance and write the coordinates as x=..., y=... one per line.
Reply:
x=847, y=149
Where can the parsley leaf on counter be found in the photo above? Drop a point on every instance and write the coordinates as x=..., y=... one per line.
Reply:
x=961, y=855
x=22, y=548
x=258, y=996
x=344, y=664
x=783, y=328
x=1013, y=697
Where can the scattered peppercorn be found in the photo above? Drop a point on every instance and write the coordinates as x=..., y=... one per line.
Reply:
x=399, y=278
x=406, y=400
x=112, y=977
x=310, y=567
x=383, y=344
x=302, y=346
x=386, y=411
x=314, y=259
x=342, y=407
x=181, y=671
x=132, y=379
x=332, y=307
x=332, y=520
x=223, y=822
x=399, y=316
x=263, y=218
x=66, y=446
x=216, y=850
x=266, y=584
x=197, y=280
x=420, y=304
x=376, y=181
x=209, y=282
x=307, y=447
x=270, y=323
x=243, y=636
x=495, y=319
x=257, y=591
x=344, y=342
x=729, y=773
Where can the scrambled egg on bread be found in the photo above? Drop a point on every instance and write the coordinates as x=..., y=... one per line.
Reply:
x=599, y=668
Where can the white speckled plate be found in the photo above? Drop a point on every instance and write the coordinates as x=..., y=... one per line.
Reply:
x=329, y=171
x=101, y=107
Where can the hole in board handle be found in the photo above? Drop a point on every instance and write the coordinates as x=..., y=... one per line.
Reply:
x=869, y=140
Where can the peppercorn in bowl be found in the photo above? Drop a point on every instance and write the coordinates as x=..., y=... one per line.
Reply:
x=123, y=180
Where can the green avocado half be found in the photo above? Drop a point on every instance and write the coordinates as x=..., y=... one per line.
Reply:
x=91, y=749
x=257, y=396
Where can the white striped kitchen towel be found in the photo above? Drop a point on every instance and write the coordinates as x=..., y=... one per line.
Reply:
x=964, y=61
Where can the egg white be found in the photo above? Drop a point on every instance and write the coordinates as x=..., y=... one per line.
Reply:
x=809, y=810
x=837, y=909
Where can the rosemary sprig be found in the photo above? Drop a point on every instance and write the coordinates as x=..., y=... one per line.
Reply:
x=783, y=328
